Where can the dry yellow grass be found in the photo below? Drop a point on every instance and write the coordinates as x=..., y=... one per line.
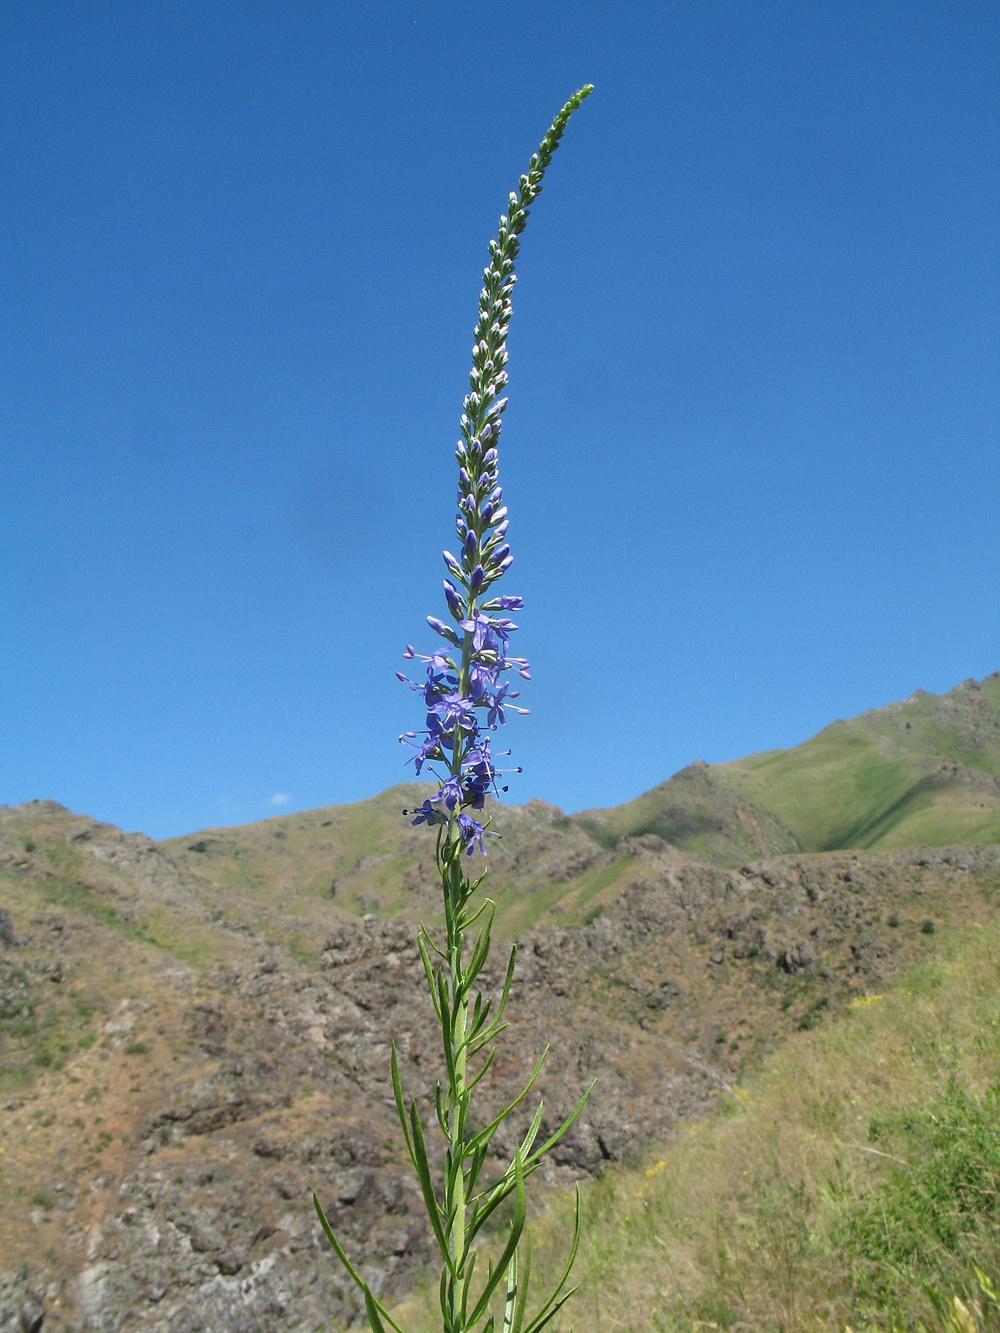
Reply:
x=735, y=1222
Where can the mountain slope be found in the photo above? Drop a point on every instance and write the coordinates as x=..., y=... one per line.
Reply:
x=178, y=1067
x=366, y=858
x=926, y=770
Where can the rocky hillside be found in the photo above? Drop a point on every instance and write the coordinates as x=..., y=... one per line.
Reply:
x=194, y=1035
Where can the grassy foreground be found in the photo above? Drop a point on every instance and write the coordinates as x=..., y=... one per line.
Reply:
x=853, y=1182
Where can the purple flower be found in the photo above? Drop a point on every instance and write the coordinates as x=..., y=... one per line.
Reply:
x=450, y=794
x=487, y=634
x=427, y=814
x=438, y=664
x=453, y=710
x=479, y=776
x=472, y=834
x=496, y=716
x=436, y=685
x=428, y=748
x=482, y=679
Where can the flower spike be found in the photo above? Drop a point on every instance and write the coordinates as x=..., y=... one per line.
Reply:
x=466, y=695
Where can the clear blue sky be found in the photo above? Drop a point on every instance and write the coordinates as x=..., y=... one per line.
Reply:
x=751, y=455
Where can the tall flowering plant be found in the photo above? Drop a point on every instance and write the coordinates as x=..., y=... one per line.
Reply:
x=466, y=698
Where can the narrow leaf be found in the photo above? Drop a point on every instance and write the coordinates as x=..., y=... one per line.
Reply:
x=554, y=1138
x=476, y=1079
x=508, y=979
x=516, y=1227
x=441, y=1107
x=522, y=1293
x=485, y=1038
x=487, y=905
x=554, y=1302
x=539, y=1322
x=376, y=1312
x=486, y=1134
x=429, y=972
x=397, y=1092
x=423, y=1170
x=536, y=1123
x=510, y=1300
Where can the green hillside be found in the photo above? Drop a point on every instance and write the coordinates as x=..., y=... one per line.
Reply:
x=923, y=771
x=926, y=770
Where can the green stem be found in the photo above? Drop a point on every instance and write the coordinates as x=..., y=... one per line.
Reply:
x=458, y=1113
x=456, y=1203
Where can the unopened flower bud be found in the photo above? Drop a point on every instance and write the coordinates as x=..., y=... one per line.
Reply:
x=455, y=604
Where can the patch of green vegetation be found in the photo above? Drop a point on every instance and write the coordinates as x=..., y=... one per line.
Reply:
x=700, y=810
x=521, y=912
x=934, y=1204
x=79, y=897
x=590, y=885
x=197, y=946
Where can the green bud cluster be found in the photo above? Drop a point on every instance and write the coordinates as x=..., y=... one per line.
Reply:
x=478, y=495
